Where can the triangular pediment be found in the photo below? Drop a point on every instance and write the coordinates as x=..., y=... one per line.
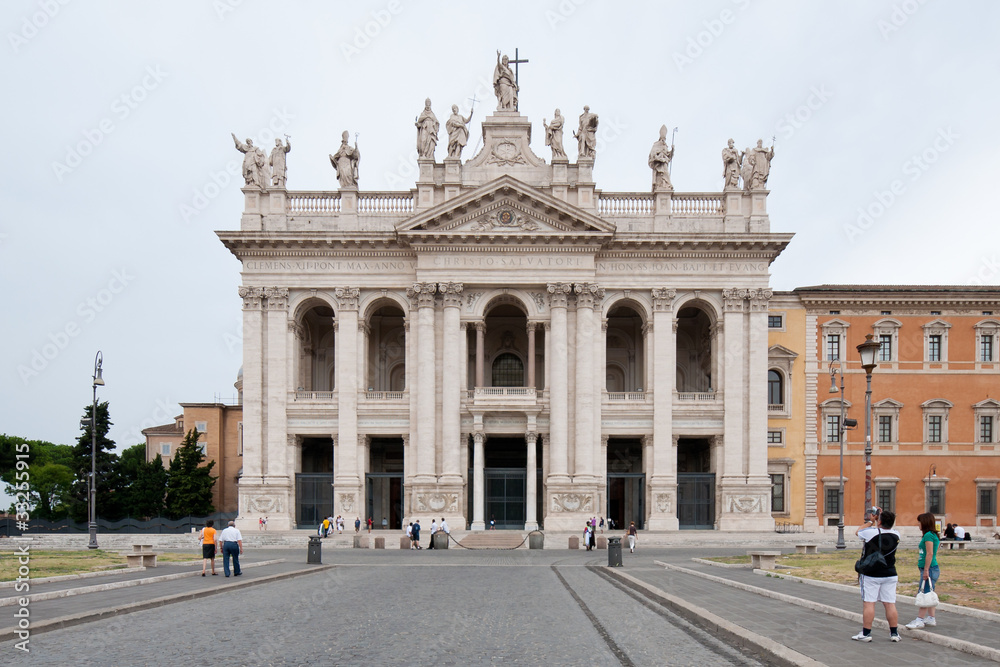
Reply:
x=505, y=207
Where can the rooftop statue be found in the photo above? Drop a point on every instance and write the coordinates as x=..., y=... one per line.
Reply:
x=427, y=131
x=254, y=163
x=458, y=132
x=746, y=168
x=660, y=156
x=505, y=85
x=732, y=160
x=345, y=162
x=277, y=161
x=554, y=136
x=761, y=165
x=586, y=135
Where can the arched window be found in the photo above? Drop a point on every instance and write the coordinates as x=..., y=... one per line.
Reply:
x=508, y=371
x=775, y=390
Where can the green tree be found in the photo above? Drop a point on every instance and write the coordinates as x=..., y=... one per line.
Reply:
x=109, y=505
x=189, y=485
x=143, y=484
x=49, y=474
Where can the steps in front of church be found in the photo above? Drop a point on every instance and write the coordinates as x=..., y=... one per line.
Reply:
x=493, y=539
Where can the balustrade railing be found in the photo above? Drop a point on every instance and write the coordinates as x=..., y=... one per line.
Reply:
x=385, y=395
x=626, y=396
x=385, y=202
x=696, y=395
x=696, y=204
x=313, y=202
x=625, y=203
x=302, y=395
x=776, y=407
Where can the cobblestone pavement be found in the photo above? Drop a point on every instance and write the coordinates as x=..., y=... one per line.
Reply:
x=488, y=609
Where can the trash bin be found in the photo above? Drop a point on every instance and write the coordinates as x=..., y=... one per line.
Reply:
x=536, y=540
x=315, y=550
x=614, y=552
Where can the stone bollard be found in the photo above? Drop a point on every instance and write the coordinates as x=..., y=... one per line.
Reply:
x=380, y=543
x=404, y=542
x=536, y=540
x=574, y=541
x=602, y=542
x=440, y=540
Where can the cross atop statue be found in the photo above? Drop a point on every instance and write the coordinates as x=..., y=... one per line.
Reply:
x=515, y=62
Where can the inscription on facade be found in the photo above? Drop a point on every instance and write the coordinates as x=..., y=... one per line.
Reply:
x=315, y=266
x=502, y=261
x=682, y=267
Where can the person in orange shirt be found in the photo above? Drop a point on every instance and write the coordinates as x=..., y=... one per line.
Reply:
x=208, y=547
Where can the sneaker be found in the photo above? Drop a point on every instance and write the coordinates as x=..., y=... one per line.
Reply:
x=894, y=638
x=862, y=637
x=930, y=620
x=916, y=623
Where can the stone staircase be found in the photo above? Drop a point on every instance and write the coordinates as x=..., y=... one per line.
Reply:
x=494, y=539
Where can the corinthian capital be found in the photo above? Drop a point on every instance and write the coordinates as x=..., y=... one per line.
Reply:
x=663, y=298
x=348, y=297
x=452, y=294
x=421, y=295
x=277, y=298
x=559, y=294
x=733, y=298
x=252, y=297
x=588, y=295
x=759, y=299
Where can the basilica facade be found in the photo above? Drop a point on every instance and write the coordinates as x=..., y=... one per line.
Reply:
x=506, y=344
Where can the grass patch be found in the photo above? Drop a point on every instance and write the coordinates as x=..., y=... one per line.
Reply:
x=56, y=563
x=968, y=578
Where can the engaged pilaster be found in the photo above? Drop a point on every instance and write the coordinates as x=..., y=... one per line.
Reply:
x=588, y=427
x=422, y=299
x=559, y=384
x=451, y=385
x=663, y=480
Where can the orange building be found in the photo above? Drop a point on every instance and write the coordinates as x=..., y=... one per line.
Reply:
x=935, y=414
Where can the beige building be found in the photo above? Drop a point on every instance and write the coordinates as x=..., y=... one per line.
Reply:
x=506, y=342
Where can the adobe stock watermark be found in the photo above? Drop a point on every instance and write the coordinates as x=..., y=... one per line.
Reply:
x=898, y=17
x=696, y=45
x=86, y=312
x=232, y=171
x=121, y=108
x=563, y=12
x=22, y=515
x=225, y=7
x=986, y=274
x=794, y=120
x=31, y=25
x=914, y=168
x=370, y=30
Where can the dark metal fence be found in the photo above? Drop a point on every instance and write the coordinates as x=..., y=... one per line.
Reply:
x=9, y=527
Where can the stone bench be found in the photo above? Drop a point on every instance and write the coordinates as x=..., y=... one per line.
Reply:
x=806, y=548
x=763, y=560
x=953, y=543
x=142, y=556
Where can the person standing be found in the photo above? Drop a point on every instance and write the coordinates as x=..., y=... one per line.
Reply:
x=879, y=586
x=633, y=535
x=370, y=523
x=385, y=523
x=232, y=546
x=928, y=567
x=416, y=534
x=208, y=547
x=357, y=525
x=586, y=536
x=434, y=529
x=324, y=530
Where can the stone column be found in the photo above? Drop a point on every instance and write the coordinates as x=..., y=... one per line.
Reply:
x=451, y=385
x=422, y=295
x=480, y=352
x=531, y=354
x=663, y=482
x=531, y=482
x=364, y=332
x=731, y=467
x=588, y=427
x=276, y=383
x=559, y=385
x=647, y=357
x=478, y=481
x=547, y=329
x=347, y=477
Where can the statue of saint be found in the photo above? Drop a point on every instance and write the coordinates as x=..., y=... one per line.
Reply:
x=504, y=85
x=277, y=161
x=458, y=132
x=732, y=160
x=553, y=136
x=345, y=162
x=746, y=168
x=427, y=131
x=660, y=156
x=761, y=165
x=254, y=163
x=586, y=136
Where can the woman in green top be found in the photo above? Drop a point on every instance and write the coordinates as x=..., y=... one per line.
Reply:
x=928, y=567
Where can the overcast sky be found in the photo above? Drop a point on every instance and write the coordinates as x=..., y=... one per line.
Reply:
x=120, y=165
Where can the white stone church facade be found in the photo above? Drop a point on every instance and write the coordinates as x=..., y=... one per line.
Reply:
x=505, y=342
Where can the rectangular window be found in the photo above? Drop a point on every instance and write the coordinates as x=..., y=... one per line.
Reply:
x=833, y=347
x=934, y=428
x=887, y=498
x=777, y=492
x=985, y=428
x=986, y=347
x=832, y=505
x=774, y=321
x=202, y=427
x=774, y=437
x=934, y=347
x=165, y=449
x=887, y=312
x=885, y=428
x=833, y=428
x=885, y=351
x=202, y=448
x=935, y=500
x=987, y=501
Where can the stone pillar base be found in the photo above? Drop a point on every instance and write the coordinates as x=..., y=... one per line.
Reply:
x=663, y=505
x=348, y=498
x=569, y=507
x=271, y=497
x=745, y=507
x=437, y=501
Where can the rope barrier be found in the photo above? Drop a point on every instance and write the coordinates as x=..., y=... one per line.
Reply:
x=530, y=533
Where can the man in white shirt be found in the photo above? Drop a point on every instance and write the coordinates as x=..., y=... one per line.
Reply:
x=959, y=532
x=444, y=527
x=434, y=529
x=231, y=543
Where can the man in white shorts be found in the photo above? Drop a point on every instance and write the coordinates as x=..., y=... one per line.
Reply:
x=879, y=586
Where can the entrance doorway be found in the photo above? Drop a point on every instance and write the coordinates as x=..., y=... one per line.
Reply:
x=504, y=476
x=384, y=482
x=314, y=485
x=626, y=483
x=695, y=485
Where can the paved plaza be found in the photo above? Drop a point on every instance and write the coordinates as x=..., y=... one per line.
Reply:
x=460, y=607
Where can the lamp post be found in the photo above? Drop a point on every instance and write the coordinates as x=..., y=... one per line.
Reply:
x=92, y=509
x=868, y=350
x=840, y=433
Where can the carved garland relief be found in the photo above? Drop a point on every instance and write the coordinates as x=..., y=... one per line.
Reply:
x=572, y=502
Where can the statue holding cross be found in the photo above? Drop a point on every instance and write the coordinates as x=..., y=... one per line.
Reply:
x=505, y=83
